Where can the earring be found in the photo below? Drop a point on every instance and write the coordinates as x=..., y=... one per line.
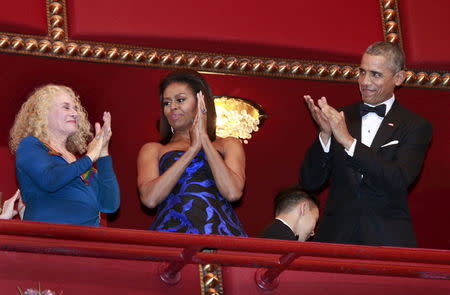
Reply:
x=171, y=129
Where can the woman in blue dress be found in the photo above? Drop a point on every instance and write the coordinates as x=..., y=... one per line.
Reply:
x=58, y=184
x=192, y=176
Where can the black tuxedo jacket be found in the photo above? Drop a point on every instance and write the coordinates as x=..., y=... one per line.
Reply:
x=373, y=209
x=278, y=230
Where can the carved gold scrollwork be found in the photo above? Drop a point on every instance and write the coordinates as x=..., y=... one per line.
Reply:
x=422, y=78
x=218, y=62
x=56, y=19
x=85, y=50
x=283, y=67
x=445, y=80
x=392, y=37
x=17, y=43
x=57, y=34
x=55, y=8
x=296, y=68
x=99, y=52
x=59, y=48
x=391, y=21
x=434, y=78
x=179, y=59
x=391, y=27
x=112, y=53
x=356, y=73
x=257, y=65
x=125, y=54
x=72, y=49
x=31, y=44
x=410, y=77
x=322, y=70
x=244, y=64
x=44, y=46
x=166, y=58
x=139, y=56
x=192, y=61
x=4, y=41
x=389, y=15
x=231, y=63
x=335, y=71
x=309, y=70
x=58, y=44
x=211, y=279
x=347, y=72
x=205, y=61
x=271, y=66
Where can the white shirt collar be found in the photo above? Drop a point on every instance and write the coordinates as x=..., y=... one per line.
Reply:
x=388, y=104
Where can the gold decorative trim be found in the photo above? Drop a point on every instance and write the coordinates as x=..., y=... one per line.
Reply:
x=211, y=279
x=58, y=45
x=57, y=20
x=390, y=19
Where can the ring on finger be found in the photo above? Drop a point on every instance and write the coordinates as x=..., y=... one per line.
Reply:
x=204, y=111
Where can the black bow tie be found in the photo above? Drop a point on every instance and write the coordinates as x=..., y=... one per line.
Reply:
x=364, y=109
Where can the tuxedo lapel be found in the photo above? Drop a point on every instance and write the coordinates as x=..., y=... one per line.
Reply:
x=390, y=123
x=353, y=120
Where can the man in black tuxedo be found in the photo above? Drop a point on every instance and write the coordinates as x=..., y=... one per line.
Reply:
x=372, y=152
x=296, y=215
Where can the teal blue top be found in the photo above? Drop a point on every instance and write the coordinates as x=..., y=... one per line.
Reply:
x=55, y=191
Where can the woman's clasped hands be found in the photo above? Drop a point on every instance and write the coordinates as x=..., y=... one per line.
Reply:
x=98, y=147
x=198, y=132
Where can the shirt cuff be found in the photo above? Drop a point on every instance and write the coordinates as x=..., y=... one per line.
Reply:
x=326, y=148
x=351, y=150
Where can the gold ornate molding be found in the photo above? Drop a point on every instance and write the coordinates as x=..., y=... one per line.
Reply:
x=211, y=279
x=57, y=20
x=57, y=44
x=390, y=18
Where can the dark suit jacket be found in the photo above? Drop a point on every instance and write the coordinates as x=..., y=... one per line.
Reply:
x=278, y=230
x=372, y=210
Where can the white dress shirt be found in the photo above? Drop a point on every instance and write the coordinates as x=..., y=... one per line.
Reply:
x=369, y=127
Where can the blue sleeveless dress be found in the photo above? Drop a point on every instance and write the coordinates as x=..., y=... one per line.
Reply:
x=195, y=205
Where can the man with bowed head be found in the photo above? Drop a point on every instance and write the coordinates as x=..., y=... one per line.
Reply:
x=371, y=151
x=296, y=214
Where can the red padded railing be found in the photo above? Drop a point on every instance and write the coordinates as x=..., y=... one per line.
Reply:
x=176, y=250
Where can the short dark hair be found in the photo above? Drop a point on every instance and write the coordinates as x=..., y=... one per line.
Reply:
x=391, y=51
x=196, y=83
x=289, y=197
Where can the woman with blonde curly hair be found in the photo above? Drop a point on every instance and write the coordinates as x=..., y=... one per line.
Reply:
x=50, y=131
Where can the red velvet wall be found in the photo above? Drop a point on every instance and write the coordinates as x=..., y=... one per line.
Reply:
x=424, y=34
x=274, y=154
x=287, y=28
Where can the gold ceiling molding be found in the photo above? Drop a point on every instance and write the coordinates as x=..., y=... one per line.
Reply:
x=58, y=45
x=57, y=20
x=390, y=17
x=211, y=282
